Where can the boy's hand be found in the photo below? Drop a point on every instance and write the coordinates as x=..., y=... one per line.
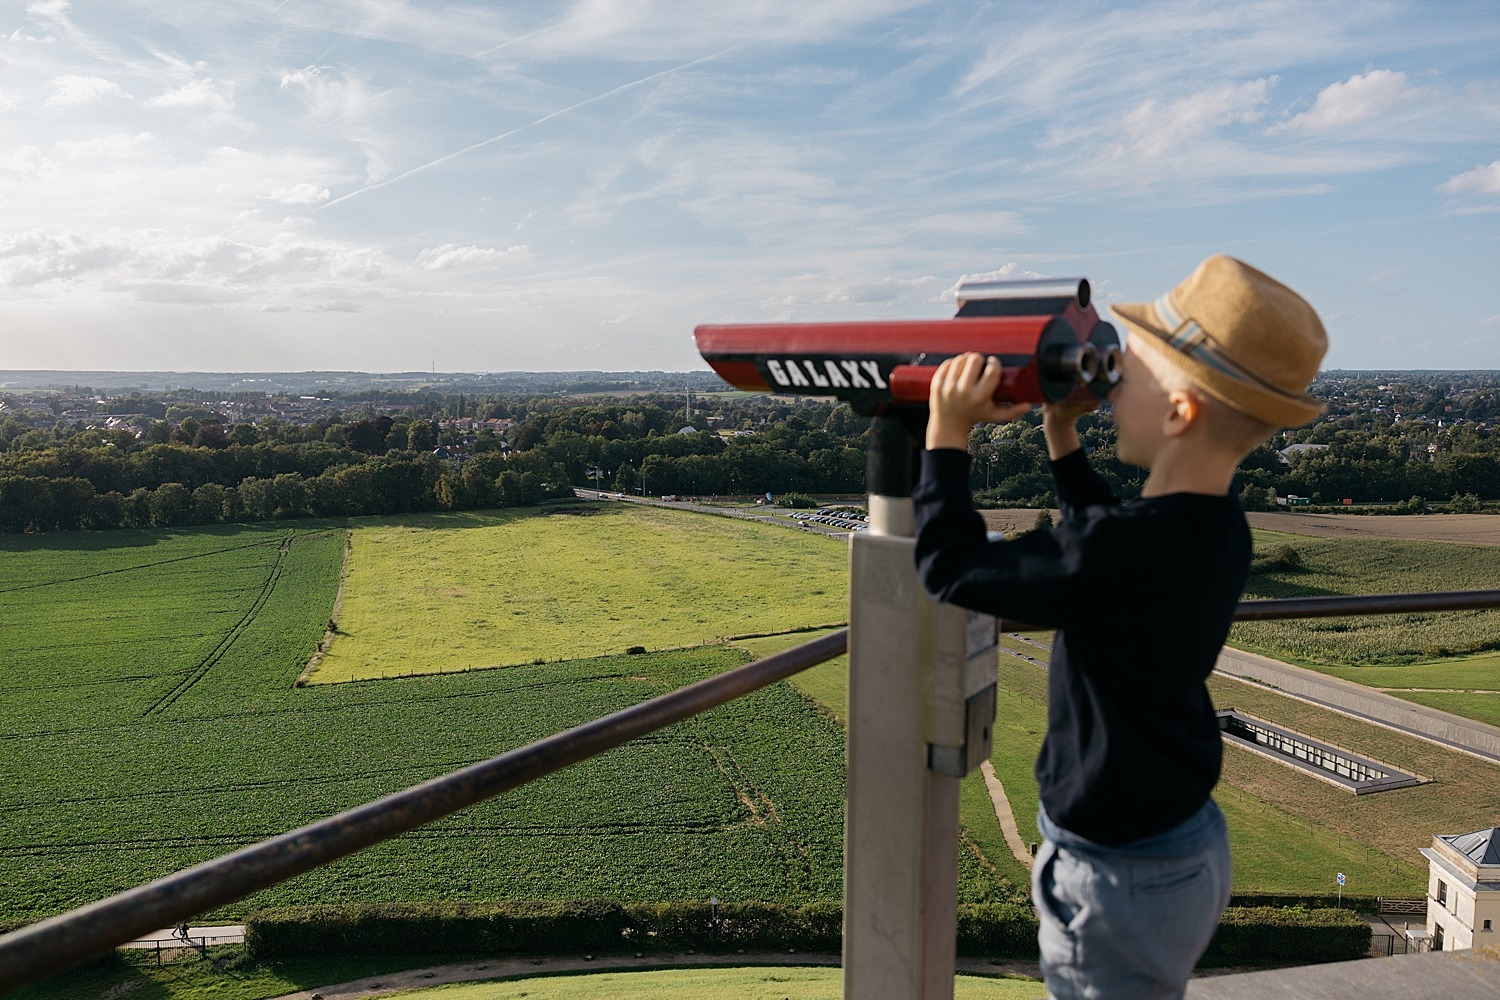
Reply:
x=1059, y=425
x=962, y=395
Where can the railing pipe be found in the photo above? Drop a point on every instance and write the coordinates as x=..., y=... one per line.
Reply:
x=61, y=942
x=1338, y=606
x=1368, y=604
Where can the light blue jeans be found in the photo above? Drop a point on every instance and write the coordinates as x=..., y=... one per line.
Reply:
x=1129, y=922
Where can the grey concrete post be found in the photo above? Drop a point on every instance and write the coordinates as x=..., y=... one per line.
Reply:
x=921, y=708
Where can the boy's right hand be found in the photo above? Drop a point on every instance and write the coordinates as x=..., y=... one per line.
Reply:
x=962, y=395
x=1059, y=425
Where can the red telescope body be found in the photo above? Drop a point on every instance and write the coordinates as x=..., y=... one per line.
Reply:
x=1047, y=337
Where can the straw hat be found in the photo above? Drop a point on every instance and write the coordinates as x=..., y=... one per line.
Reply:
x=1240, y=335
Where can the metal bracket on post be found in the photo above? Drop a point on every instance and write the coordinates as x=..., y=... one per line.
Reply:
x=921, y=715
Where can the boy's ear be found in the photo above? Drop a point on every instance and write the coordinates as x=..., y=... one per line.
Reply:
x=1185, y=408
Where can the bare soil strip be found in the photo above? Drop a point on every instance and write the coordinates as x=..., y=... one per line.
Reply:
x=1004, y=815
x=1459, y=529
x=333, y=617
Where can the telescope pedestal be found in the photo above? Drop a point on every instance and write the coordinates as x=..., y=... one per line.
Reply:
x=921, y=712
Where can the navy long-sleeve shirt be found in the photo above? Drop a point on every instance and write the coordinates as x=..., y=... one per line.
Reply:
x=1142, y=595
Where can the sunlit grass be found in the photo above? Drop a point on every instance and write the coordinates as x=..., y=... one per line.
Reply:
x=445, y=592
x=748, y=983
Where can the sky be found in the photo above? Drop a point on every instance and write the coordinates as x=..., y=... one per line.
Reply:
x=372, y=185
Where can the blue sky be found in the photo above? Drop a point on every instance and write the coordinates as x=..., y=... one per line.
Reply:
x=383, y=186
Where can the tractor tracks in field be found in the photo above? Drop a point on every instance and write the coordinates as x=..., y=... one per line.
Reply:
x=334, y=616
x=199, y=670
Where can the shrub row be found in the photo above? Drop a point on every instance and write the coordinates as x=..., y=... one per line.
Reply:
x=1256, y=934
x=1353, y=902
x=1246, y=935
x=594, y=925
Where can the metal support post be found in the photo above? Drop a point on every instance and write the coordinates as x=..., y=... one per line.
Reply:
x=921, y=711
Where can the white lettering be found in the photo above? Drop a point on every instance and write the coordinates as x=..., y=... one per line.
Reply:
x=774, y=367
x=812, y=372
x=855, y=378
x=835, y=377
x=874, y=372
x=795, y=373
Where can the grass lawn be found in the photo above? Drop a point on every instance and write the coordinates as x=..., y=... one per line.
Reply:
x=1480, y=707
x=448, y=592
x=224, y=975
x=1282, y=827
x=744, y=983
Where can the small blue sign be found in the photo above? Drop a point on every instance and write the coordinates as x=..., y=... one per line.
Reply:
x=1341, y=878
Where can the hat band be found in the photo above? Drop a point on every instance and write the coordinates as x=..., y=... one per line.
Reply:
x=1187, y=337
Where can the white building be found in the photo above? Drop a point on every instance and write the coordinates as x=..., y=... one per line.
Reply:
x=1463, y=890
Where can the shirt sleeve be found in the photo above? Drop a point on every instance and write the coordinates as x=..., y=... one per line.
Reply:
x=1048, y=578
x=1079, y=486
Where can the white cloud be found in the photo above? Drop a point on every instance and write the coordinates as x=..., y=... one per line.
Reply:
x=1357, y=99
x=27, y=160
x=1156, y=130
x=202, y=93
x=116, y=147
x=72, y=90
x=1011, y=271
x=140, y=263
x=1480, y=180
x=452, y=255
x=299, y=194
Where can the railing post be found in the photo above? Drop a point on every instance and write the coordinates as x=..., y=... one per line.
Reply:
x=921, y=711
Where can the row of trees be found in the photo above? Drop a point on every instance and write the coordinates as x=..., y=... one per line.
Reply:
x=393, y=484
x=385, y=464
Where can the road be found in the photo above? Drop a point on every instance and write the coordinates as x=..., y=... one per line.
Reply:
x=743, y=513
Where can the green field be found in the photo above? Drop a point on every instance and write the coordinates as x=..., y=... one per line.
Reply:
x=152, y=723
x=440, y=592
x=1364, y=566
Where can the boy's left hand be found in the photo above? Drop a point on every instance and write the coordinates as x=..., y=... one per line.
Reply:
x=962, y=395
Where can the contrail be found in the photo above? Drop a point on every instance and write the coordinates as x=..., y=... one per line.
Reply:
x=265, y=19
x=506, y=135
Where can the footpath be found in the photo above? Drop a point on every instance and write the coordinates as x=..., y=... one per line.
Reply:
x=468, y=972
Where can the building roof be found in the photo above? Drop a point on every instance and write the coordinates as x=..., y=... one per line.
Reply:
x=1481, y=847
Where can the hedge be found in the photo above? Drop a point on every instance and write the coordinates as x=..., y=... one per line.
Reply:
x=1246, y=935
x=1255, y=934
x=595, y=926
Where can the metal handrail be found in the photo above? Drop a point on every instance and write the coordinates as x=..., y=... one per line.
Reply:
x=1369, y=604
x=60, y=942
x=63, y=941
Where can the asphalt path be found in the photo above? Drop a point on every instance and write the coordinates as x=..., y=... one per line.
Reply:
x=765, y=515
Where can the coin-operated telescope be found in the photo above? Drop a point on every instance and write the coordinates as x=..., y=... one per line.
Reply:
x=922, y=675
x=1048, y=338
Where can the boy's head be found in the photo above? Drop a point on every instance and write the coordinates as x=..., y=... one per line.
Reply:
x=1248, y=344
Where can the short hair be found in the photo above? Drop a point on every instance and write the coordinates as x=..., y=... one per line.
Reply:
x=1235, y=429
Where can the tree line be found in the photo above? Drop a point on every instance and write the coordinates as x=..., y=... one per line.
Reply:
x=201, y=469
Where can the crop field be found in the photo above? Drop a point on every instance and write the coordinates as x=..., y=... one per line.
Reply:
x=1369, y=566
x=152, y=722
x=443, y=592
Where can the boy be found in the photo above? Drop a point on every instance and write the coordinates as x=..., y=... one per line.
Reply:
x=1134, y=869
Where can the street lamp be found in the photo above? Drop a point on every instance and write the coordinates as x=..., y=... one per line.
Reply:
x=713, y=923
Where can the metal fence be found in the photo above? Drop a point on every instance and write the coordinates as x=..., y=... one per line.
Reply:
x=61, y=942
